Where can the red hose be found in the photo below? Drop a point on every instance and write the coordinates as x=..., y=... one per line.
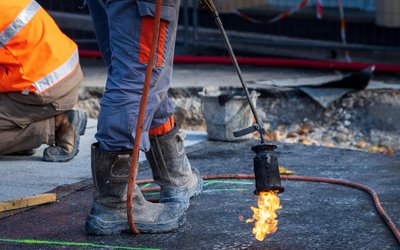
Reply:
x=285, y=62
x=392, y=226
x=271, y=62
x=142, y=111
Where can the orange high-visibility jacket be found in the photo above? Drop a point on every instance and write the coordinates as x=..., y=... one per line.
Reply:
x=34, y=54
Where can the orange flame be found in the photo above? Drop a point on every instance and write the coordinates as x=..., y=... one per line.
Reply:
x=265, y=214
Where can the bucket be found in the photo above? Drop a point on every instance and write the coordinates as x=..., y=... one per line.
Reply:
x=226, y=110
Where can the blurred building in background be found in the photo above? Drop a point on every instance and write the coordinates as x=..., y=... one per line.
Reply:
x=367, y=30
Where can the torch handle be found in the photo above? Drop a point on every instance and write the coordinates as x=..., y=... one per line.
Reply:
x=260, y=126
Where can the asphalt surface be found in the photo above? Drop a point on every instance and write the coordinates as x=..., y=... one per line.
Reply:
x=313, y=215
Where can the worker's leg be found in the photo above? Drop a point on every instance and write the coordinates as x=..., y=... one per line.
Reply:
x=98, y=12
x=171, y=168
x=108, y=214
x=27, y=121
x=130, y=29
x=129, y=32
x=16, y=137
x=167, y=158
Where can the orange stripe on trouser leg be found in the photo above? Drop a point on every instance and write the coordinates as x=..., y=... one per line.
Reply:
x=161, y=43
x=164, y=128
x=146, y=35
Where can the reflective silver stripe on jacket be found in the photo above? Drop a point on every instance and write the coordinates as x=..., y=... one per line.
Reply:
x=58, y=74
x=22, y=19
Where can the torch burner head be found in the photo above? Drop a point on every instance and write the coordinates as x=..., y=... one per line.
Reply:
x=266, y=169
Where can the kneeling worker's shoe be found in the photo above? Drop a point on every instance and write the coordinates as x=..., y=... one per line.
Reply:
x=69, y=127
x=110, y=171
x=27, y=152
x=171, y=168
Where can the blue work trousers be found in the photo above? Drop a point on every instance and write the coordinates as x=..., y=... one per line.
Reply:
x=121, y=27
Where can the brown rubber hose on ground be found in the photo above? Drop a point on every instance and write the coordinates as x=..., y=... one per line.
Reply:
x=392, y=226
x=142, y=111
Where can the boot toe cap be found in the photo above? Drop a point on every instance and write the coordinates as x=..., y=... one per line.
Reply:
x=171, y=217
x=58, y=154
x=182, y=195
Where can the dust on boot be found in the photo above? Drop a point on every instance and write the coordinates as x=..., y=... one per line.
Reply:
x=69, y=126
x=110, y=171
x=171, y=168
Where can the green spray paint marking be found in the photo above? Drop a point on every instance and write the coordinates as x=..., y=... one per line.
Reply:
x=224, y=189
x=146, y=185
x=210, y=182
x=210, y=190
x=151, y=193
x=68, y=243
x=86, y=244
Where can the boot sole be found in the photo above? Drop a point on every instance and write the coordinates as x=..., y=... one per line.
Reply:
x=162, y=228
x=96, y=226
x=81, y=127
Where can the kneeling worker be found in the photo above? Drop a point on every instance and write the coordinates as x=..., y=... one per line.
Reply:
x=39, y=81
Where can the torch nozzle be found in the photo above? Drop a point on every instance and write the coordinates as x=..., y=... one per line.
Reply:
x=266, y=169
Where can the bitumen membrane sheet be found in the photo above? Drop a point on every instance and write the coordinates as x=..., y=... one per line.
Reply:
x=313, y=215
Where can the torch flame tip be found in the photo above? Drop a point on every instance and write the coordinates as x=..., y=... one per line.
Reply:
x=265, y=215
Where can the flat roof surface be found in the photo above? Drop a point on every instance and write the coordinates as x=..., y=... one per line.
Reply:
x=313, y=215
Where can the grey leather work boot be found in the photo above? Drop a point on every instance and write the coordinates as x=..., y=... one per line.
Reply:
x=69, y=127
x=110, y=172
x=171, y=168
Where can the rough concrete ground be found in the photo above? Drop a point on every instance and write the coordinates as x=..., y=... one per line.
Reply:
x=29, y=175
x=355, y=121
x=313, y=215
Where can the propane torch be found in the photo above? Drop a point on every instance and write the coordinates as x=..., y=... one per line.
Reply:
x=266, y=168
